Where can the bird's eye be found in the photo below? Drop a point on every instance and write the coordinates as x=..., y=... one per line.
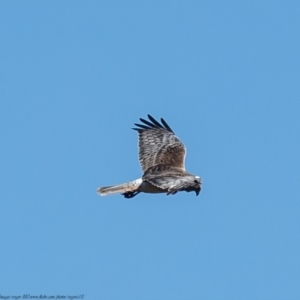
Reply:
x=196, y=181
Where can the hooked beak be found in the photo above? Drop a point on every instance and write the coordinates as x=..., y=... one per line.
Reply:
x=197, y=191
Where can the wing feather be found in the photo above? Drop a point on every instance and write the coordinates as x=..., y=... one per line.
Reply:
x=159, y=145
x=154, y=121
x=166, y=125
x=141, y=126
x=149, y=124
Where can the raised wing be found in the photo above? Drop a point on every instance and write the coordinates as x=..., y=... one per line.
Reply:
x=172, y=179
x=159, y=145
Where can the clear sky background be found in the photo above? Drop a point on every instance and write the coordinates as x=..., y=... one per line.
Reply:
x=76, y=75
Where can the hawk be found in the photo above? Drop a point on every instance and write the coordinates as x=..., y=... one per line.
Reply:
x=161, y=155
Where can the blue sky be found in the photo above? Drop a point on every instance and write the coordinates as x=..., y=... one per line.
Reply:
x=76, y=75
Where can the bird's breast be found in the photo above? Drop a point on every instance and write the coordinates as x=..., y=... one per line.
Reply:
x=147, y=187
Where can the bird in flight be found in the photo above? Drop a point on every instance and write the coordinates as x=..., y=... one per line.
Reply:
x=161, y=155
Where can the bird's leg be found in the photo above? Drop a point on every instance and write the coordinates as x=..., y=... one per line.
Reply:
x=129, y=195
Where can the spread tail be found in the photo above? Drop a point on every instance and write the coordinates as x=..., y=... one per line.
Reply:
x=121, y=188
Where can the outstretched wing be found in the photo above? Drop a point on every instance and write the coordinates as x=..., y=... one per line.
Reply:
x=159, y=145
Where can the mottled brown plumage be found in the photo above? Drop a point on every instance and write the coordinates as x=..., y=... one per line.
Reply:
x=161, y=155
x=159, y=145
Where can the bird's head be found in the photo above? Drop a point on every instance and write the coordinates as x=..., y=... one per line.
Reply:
x=197, y=185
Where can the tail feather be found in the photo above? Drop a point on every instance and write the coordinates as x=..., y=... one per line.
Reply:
x=120, y=188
